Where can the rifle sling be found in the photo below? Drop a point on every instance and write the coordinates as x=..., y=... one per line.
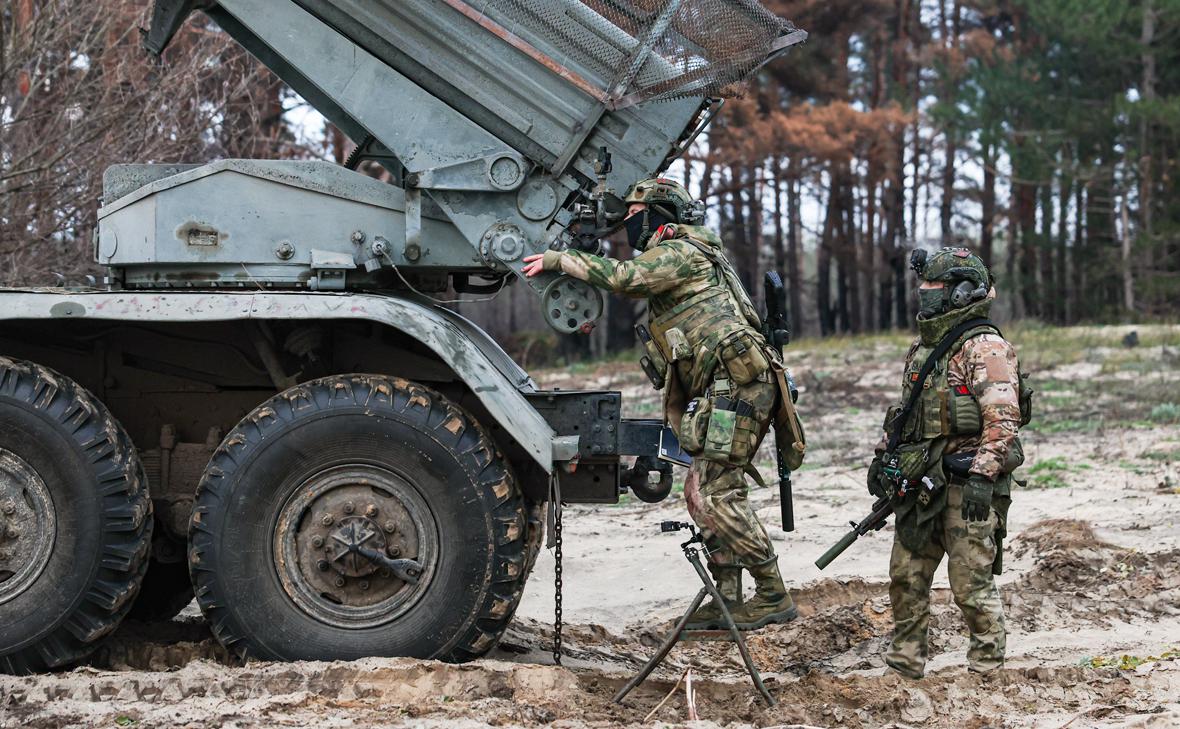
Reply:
x=927, y=367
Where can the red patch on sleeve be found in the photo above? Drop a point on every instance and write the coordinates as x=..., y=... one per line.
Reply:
x=962, y=253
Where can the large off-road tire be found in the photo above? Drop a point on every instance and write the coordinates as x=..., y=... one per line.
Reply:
x=75, y=520
x=365, y=459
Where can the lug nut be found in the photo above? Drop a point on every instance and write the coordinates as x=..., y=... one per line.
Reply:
x=371, y=510
x=385, y=572
x=317, y=541
x=339, y=582
x=323, y=565
x=13, y=533
x=348, y=507
x=327, y=520
x=364, y=584
x=390, y=527
x=8, y=508
x=394, y=550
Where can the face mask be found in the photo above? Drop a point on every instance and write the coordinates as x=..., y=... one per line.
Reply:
x=930, y=302
x=641, y=226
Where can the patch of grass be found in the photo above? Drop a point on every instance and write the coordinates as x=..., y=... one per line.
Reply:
x=1166, y=412
x=1127, y=662
x=1050, y=473
x=1067, y=425
x=1172, y=455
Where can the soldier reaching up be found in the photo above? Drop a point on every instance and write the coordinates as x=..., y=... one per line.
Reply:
x=947, y=462
x=719, y=390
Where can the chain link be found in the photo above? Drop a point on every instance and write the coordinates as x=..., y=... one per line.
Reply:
x=557, y=584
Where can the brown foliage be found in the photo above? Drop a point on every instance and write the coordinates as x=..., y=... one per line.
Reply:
x=77, y=94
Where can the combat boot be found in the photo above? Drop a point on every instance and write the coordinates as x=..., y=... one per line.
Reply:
x=728, y=579
x=771, y=602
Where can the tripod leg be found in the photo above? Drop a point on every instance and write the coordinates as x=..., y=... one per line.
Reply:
x=733, y=630
x=665, y=648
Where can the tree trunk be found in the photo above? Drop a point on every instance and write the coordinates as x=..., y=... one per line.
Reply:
x=987, y=214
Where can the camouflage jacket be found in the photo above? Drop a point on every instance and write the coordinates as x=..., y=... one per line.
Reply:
x=985, y=367
x=684, y=290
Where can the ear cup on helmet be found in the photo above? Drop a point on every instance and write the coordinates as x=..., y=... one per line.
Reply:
x=964, y=293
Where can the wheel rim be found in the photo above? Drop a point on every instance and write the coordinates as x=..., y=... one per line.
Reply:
x=28, y=525
x=359, y=504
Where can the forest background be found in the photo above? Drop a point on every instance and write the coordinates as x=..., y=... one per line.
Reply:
x=1044, y=134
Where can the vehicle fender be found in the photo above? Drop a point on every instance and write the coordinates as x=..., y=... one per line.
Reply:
x=476, y=359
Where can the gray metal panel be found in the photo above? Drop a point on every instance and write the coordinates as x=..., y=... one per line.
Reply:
x=241, y=211
x=479, y=362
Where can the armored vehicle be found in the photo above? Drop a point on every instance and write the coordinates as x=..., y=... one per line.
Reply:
x=267, y=405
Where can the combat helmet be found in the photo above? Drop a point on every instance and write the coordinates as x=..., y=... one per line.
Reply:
x=965, y=275
x=667, y=202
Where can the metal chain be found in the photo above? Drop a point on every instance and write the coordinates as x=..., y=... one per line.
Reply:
x=557, y=584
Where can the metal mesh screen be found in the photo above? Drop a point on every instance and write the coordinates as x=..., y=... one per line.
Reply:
x=640, y=50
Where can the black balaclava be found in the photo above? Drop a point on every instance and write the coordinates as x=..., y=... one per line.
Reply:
x=643, y=225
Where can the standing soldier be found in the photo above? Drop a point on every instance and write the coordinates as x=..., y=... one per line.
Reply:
x=719, y=386
x=947, y=462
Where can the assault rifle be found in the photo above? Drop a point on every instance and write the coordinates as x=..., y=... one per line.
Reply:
x=776, y=327
x=871, y=523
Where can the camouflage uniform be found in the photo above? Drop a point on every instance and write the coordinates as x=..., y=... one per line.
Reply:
x=695, y=320
x=970, y=403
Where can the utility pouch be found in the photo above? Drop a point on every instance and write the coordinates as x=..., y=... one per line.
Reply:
x=1015, y=457
x=732, y=431
x=913, y=460
x=963, y=413
x=1026, y=400
x=694, y=425
x=911, y=429
x=743, y=357
x=678, y=344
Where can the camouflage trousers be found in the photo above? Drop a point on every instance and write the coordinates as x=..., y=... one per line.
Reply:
x=718, y=496
x=970, y=548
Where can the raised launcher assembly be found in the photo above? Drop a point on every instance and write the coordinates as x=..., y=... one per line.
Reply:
x=497, y=110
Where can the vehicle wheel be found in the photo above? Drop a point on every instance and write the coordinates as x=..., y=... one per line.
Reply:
x=167, y=589
x=75, y=520
x=376, y=462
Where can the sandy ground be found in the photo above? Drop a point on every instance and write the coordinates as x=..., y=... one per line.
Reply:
x=1091, y=588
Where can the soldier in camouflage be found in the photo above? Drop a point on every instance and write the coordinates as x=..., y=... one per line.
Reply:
x=719, y=389
x=969, y=406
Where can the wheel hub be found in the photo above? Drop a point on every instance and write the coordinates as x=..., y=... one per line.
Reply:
x=326, y=527
x=28, y=525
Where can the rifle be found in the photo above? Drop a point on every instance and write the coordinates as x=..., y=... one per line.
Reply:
x=871, y=523
x=776, y=328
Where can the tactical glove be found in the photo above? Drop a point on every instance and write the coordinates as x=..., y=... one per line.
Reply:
x=876, y=487
x=977, y=498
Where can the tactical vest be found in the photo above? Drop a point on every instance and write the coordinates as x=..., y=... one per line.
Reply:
x=716, y=323
x=941, y=410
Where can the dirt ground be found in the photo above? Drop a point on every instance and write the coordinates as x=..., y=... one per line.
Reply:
x=1091, y=588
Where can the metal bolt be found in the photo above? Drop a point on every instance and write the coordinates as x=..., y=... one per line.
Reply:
x=364, y=584
x=317, y=541
x=284, y=251
x=358, y=236
x=348, y=507
x=327, y=520
x=323, y=565
x=371, y=510
x=339, y=582
x=8, y=508
x=13, y=533
x=394, y=550
x=390, y=527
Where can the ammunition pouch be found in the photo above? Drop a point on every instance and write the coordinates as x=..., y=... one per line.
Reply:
x=721, y=429
x=743, y=357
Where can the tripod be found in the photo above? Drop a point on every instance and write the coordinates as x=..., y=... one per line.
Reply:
x=693, y=549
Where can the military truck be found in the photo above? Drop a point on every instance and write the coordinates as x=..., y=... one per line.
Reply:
x=267, y=402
